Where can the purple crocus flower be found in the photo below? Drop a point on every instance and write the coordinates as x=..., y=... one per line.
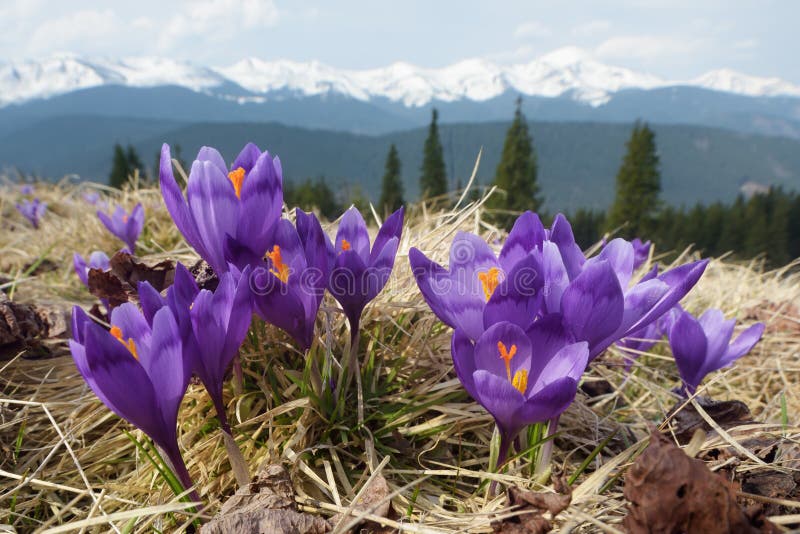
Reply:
x=33, y=210
x=520, y=377
x=226, y=210
x=125, y=226
x=97, y=260
x=357, y=273
x=641, y=252
x=138, y=371
x=703, y=346
x=598, y=306
x=91, y=197
x=26, y=189
x=479, y=288
x=212, y=324
x=289, y=285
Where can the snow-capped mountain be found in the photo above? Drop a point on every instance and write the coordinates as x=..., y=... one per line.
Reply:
x=565, y=72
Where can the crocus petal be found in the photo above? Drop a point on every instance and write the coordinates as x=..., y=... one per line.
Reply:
x=718, y=334
x=81, y=269
x=212, y=156
x=261, y=205
x=240, y=315
x=353, y=229
x=619, y=254
x=526, y=235
x=215, y=210
x=247, y=157
x=381, y=268
x=434, y=283
x=518, y=297
x=501, y=399
x=150, y=300
x=592, y=305
x=570, y=361
x=548, y=402
x=176, y=204
x=463, y=353
x=209, y=331
x=688, y=342
x=561, y=234
x=349, y=285
x=165, y=366
x=125, y=386
x=555, y=277
x=392, y=228
x=743, y=344
x=470, y=255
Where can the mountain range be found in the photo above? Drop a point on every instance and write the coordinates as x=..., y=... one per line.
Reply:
x=716, y=133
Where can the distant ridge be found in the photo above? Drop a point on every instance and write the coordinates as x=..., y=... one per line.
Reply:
x=567, y=72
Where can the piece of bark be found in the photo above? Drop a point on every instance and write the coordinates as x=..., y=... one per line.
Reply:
x=266, y=506
x=669, y=492
x=727, y=414
x=33, y=327
x=535, y=504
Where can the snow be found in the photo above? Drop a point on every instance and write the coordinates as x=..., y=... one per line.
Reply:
x=568, y=71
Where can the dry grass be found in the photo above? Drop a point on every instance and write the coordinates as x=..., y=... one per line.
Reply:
x=66, y=464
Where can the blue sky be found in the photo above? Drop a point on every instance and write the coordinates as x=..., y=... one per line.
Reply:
x=671, y=38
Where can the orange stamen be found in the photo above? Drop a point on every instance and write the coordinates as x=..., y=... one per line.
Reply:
x=520, y=380
x=280, y=269
x=506, y=354
x=130, y=345
x=345, y=244
x=490, y=280
x=236, y=177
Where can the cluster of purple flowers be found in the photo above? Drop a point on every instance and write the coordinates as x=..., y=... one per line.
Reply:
x=526, y=322
x=140, y=368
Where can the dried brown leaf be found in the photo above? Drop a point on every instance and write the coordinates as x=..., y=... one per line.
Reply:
x=727, y=414
x=267, y=505
x=668, y=492
x=534, y=504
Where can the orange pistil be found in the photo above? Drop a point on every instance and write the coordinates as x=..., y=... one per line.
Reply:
x=345, y=244
x=520, y=380
x=506, y=354
x=130, y=345
x=490, y=280
x=280, y=269
x=236, y=177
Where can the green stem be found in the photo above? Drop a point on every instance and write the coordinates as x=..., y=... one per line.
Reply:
x=546, y=452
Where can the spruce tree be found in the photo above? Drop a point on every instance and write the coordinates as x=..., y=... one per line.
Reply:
x=119, y=168
x=516, y=174
x=392, y=185
x=638, y=186
x=433, y=181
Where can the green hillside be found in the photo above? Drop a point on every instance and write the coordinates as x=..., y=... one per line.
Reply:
x=577, y=161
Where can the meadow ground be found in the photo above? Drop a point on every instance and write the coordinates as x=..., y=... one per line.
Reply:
x=67, y=464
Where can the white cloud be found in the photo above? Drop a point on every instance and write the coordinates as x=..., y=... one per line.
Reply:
x=591, y=28
x=646, y=47
x=218, y=20
x=71, y=31
x=519, y=54
x=531, y=28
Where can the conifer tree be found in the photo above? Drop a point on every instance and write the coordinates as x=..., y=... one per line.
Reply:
x=124, y=164
x=433, y=181
x=638, y=186
x=516, y=174
x=392, y=185
x=119, y=168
